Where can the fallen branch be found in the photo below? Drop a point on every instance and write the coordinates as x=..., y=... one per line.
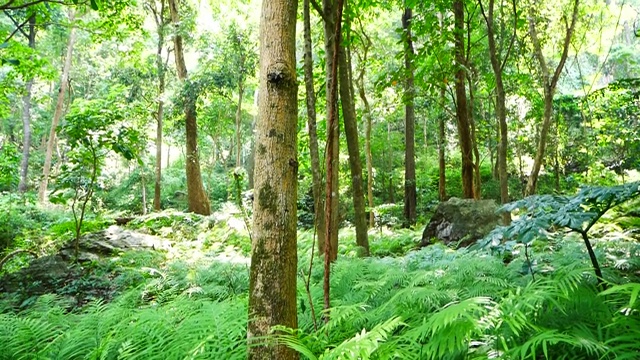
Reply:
x=14, y=253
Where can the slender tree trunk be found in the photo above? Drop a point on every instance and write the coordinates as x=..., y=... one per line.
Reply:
x=197, y=197
x=501, y=109
x=330, y=252
x=461, y=102
x=392, y=198
x=549, y=82
x=477, y=181
x=64, y=82
x=410, y=196
x=442, y=139
x=160, y=69
x=442, y=179
x=272, y=283
x=239, y=121
x=143, y=186
x=329, y=15
x=367, y=129
x=353, y=146
x=26, y=116
x=317, y=181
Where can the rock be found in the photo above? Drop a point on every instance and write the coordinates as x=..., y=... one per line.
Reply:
x=111, y=241
x=460, y=222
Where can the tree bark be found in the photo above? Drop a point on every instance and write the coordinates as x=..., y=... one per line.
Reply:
x=332, y=200
x=367, y=127
x=272, y=283
x=353, y=147
x=64, y=82
x=161, y=71
x=196, y=196
x=549, y=82
x=317, y=181
x=477, y=181
x=442, y=178
x=26, y=115
x=410, y=196
x=501, y=110
x=239, y=118
x=461, y=102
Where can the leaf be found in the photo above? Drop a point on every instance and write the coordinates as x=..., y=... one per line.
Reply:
x=94, y=5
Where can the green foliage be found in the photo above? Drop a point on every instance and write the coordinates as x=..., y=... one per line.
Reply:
x=9, y=167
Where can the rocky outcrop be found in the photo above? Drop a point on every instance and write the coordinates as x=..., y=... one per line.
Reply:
x=460, y=222
x=111, y=241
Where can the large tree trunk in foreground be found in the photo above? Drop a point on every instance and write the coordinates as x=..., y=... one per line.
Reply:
x=549, y=82
x=196, y=196
x=272, y=284
x=410, y=196
x=317, y=182
x=64, y=82
x=461, y=103
x=26, y=116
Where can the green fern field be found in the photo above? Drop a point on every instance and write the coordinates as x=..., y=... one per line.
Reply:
x=433, y=303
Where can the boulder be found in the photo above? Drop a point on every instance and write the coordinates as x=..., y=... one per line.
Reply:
x=111, y=241
x=460, y=222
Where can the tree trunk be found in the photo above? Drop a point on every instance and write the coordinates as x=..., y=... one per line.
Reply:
x=272, y=284
x=26, y=116
x=239, y=121
x=64, y=82
x=196, y=196
x=332, y=200
x=461, y=102
x=143, y=186
x=442, y=179
x=477, y=181
x=160, y=69
x=367, y=128
x=392, y=198
x=501, y=109
x=317, y=181
x=549, y=82
x=410, y=196
x=353, y=146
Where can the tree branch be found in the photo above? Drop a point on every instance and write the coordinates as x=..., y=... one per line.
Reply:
x=9, y=4
x=513, y=37
x=18, y=26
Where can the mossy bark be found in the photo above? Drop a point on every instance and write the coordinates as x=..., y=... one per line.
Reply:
x=272, y=283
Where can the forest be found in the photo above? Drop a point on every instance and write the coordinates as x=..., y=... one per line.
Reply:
x=319, y=179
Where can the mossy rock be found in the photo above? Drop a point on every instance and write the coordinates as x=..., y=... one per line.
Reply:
x=461, y=222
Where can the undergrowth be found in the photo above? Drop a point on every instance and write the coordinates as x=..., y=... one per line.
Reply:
x=433, y=303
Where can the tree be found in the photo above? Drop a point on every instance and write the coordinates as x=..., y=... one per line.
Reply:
x=64, y=82
x=351, y=133
x=410, y=197
x=367, y=43
x=317, y=182
x=272, y=282
x=332, y=156
x=549, y=81
x=461, y=101
x=498, y=62
x=26, y=112
x=160, y=18
x=197, y=197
